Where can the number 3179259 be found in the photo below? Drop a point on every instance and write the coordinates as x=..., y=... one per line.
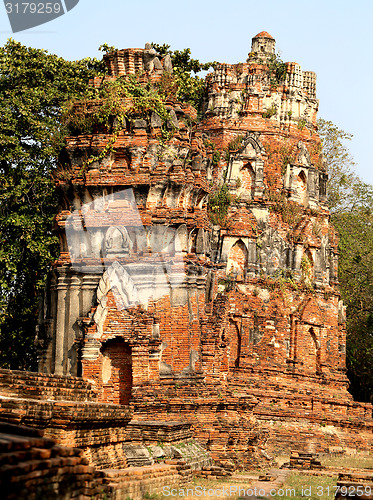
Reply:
x=33, y=8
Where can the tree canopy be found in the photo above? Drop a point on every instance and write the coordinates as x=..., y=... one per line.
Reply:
x=346, y=191
x=33, y=86
x=351, y=205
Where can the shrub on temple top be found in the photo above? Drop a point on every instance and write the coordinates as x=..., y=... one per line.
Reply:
x=189, y=88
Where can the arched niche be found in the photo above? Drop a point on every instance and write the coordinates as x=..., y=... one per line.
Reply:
x=315, y=334
x=186, y=195
x=161, y=239
x=237, y=260
x=246, y=183
x=172, y=194
x=301, y=187
x=117, y=242
x=246, y=168
x=234, y=345
x=192, y=240
x=181, y=239
x=156, y=194
x=309, y=351
x=201, y=198
x=117, y=279
x=307, y=267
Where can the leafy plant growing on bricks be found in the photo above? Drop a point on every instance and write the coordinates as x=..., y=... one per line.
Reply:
x=111, y=106
x=271, y=111
x=277, y=70
x=189, y=87
x=219, y=203
x=301, y=123
x=306, y=267
x=291, y=212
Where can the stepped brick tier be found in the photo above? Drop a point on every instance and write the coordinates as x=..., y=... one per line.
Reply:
x=356, y=484
x=232, y=322
x=302, y=461
x=34, y=467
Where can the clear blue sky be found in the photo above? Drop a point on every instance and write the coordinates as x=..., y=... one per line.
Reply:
x=332, y=38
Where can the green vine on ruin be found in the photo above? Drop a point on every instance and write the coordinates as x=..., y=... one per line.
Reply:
x=219, y=203
x=277, y=70
x=271, y=111
x=288, y=155
x=233, y=146
x=189, y=87
x=290, y=211
x=216, y=155
x=306, y=270
x=111, y=106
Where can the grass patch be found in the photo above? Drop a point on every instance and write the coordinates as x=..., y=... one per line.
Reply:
x=205, y=488
x=300, y=486
x=355, y=461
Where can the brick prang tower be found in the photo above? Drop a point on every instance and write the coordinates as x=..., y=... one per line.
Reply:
x=232, y=322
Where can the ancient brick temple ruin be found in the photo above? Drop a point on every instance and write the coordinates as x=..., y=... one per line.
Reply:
x=197, y=281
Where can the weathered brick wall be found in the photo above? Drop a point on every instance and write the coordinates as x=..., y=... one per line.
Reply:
x=222, y=420
x=136, y=482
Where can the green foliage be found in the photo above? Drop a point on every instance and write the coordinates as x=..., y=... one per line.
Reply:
x=110, y=107
x=291, y=212
x=190, y=88
x=219, y=204
x=216, y=158
x=235, y=143
x=110, y=104
x=287, y=155
x=356, y=279
x=351, y=202
x=33, y=84
x=271, y=111
x=301, y=123
x=347, y=191
x=285, y=278
x=181, y=59
x=229, y=284
x=277, y=70
x=306, y=270
x=109, y=49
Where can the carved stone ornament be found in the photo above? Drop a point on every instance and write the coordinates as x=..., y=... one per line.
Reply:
x=117, y=279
